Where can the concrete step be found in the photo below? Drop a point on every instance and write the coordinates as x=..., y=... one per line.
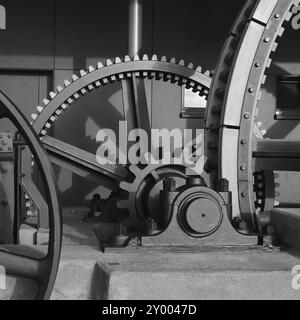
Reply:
x=176, y=273
x=206, y=272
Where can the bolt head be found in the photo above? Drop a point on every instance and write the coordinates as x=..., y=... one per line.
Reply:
x=247, y=115
x=244, y=141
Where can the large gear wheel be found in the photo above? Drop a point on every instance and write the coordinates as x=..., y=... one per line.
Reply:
x=128, y=72
x=233, y=107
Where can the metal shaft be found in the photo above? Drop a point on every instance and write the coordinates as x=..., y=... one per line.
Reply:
x=135, y=27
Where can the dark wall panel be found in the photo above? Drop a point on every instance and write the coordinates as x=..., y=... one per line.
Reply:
x=90, y=30
x=28, y=41
x=194, y=30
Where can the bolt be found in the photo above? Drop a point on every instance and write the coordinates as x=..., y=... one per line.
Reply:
x=251, y=90
x=243, y=167
x=266, y=39
x=244, y=141
x=257, y=64
x=247, y=115
x=277, y=15
x=244, y=194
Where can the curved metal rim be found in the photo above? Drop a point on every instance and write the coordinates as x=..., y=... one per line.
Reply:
x=263, y=18
x=115, y=72
x=48, y=266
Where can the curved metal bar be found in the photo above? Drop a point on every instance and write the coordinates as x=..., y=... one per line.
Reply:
x=43, y=270
x=234, y=95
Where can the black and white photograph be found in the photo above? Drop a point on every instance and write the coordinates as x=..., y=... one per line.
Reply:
x=149, y=153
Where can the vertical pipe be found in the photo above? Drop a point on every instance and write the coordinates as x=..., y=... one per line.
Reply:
x=135, y=29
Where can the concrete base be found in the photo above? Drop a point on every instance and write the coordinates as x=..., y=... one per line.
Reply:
x=176, y=273
x=193, y=273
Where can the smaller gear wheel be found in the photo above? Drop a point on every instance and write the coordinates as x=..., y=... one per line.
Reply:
x=143, y=192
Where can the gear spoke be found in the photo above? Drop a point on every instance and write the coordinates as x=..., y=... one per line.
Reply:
x=20, y=265
x=83, y=162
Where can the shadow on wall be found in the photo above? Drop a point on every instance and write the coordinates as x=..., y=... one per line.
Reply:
x=97, y=110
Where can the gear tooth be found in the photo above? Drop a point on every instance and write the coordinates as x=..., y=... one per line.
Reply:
x=181, y=63
x=145, y=57
x=75, y=77
x=82, y=73
x=191, y=66
x=59, y=88
x=154, y=58
x=64, y=106
x=100, y=65
x=52, y=94
x=207, y=73
x=274, y=46
x=122, y=204
x=109, y=62
x=70, y=101
x=127, y=59
x=34, y=116
x=136, y=58
x=118, y=60
x=199, y=69
x=126, y=186
x=163, y=59
x=43, y=133
x=269, y=62
x=46, y=102
x=263, y=132
x=76, y=96
x=67, y=83
x=173, y=60
x=280, y=32
x=259, y=124
x=135, y=170
x=48, y=125
x=39, y=109
x=91, y=69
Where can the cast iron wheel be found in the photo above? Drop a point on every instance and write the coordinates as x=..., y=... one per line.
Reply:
x=42, y=270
